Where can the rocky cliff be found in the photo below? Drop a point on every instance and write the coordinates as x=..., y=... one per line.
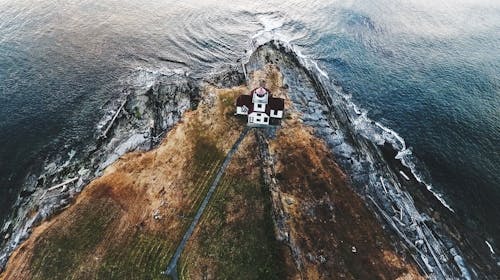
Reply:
x=330, y=194
x=283, y=208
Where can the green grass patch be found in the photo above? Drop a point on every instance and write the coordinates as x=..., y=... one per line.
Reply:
x=206, y=153
x=143, y=256
x=228, y=102
x=59, y=252
x=244, y=248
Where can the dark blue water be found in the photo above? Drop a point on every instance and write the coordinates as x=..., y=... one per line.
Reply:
x=440, y=90
x=430, y=70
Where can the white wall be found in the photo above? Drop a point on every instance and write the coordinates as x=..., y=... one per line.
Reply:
x=277, y=114
x=259, y=107
x=258, y=118
x=243, y=110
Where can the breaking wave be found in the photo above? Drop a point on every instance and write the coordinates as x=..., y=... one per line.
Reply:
x=372, y=130
x=354, y=138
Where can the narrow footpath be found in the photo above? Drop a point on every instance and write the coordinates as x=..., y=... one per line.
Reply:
x=172, y=266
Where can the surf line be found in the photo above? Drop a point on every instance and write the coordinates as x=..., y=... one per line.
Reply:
x=172, y=266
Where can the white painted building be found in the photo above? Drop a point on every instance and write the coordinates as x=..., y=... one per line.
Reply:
x=261, y=108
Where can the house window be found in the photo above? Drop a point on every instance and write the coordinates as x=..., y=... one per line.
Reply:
x=259, y=107
x=266, y=119
x=257, y=120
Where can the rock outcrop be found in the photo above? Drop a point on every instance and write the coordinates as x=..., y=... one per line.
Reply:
x=136, y=120
x=328, y=195
x=284, y=208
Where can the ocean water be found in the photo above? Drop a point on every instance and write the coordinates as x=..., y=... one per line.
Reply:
x=429, y=70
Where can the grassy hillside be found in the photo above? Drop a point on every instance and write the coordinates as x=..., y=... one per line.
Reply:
x=127, y=223
x=235, y=238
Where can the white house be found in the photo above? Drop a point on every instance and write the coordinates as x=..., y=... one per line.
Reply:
x=261, y=108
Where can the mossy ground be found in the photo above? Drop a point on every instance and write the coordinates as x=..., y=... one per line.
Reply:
x=111, y=232
x=84, y=247
x=235, y=237
x=127, y=223
x=142, y=256
x=60, y=253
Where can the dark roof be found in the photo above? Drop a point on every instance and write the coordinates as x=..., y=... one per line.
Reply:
x=273, y=102
x=244, y=100
x=276, y=103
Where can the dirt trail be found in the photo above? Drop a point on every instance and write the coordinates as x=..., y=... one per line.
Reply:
x=172, y=267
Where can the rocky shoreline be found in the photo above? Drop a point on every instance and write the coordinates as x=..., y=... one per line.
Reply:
x=136, y=120
x=127, y=223
x=441, y=246
x=370, y=154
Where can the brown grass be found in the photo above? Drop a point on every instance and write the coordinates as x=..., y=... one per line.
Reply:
x=326, y=217
x=110, y=231
x=235, y=237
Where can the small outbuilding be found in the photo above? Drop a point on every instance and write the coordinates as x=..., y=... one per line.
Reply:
x=260, y=107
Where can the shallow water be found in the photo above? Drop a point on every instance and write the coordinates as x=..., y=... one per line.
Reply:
x=429, y=71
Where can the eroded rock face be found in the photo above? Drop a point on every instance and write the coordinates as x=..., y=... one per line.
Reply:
x=329, y=231
x=137, y=120
x=146, y=116
x=143, y=201
x=138, y=207
x=312, y=166
x=380, y=167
